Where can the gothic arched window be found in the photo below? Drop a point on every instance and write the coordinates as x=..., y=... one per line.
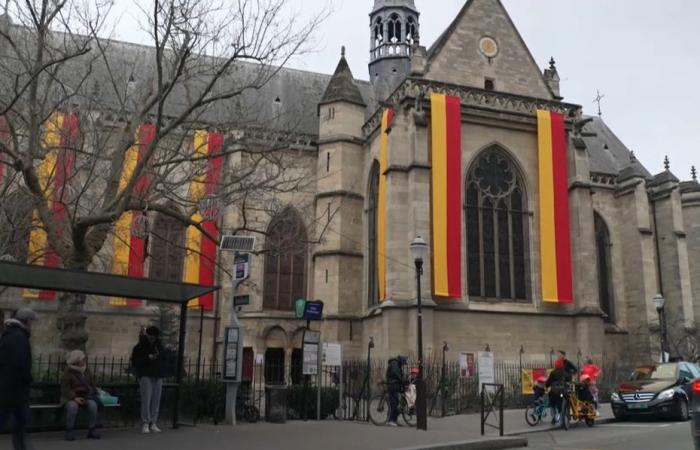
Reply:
x=286, y=250
x=394, y=29
x=378, y=32
x=411, y=31
x=605, y=284
x=167, y=249
x=372, y=216
x=497, y=228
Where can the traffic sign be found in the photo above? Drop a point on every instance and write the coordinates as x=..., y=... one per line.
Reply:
x=313, y=310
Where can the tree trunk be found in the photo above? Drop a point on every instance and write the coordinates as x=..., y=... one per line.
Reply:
x=71, y=321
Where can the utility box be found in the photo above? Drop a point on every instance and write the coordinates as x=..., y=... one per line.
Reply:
x=276, y=404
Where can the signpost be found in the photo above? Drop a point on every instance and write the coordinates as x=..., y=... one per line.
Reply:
x=233, y=348
x=311, y=310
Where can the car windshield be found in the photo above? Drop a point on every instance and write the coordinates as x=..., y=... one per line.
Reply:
x=660, y=372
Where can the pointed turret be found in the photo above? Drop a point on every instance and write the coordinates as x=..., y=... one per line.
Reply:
x=342, y=87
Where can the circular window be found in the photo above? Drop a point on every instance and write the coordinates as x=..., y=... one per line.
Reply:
x=488, y=47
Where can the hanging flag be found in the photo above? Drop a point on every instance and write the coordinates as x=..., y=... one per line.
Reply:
x=387, y=119
x=529, y=378
x=129, y=245
x=55, y=172
x=200, y=262
x=555, y=238
x=446, y=160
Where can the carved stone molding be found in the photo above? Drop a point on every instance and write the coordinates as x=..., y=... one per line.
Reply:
x=419, y=89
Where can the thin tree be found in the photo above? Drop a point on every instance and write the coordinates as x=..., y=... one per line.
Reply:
x=202, y=70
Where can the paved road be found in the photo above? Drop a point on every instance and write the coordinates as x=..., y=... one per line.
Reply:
x=616, y=436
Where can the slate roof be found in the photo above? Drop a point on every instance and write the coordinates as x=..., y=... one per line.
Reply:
x=608, y=155
x=287, y=102
x=342, y=86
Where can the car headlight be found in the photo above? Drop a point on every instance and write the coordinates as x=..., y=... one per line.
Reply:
x=615, y=397
x=667, y=394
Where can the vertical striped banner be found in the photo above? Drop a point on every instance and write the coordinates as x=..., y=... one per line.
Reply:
x=387, y=119
x=55, y=172
x=129, y=251
x=555, y=238
x=200, y=262
x=446, y=161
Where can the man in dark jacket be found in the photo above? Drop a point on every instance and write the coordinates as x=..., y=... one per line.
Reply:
x=16, y=374
x=149, y=362
x=394, y=385
x=557, y=384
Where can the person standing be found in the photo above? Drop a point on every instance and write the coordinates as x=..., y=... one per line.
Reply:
x=593, y=372
x=79, y=391
x=148, y=360
x=16, y=374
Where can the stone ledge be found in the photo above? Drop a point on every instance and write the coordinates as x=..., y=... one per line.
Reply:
x=483, y=444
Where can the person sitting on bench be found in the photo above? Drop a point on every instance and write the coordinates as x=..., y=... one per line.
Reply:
x=78, y=391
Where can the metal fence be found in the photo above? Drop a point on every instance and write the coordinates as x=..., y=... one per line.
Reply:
x=345, y=391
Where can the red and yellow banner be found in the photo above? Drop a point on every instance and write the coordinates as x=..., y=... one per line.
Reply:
x=529, y=378
x=555, y=238
x=446, y=159
x=129, y=248
x=55, y=172
x=200, y=262
x=387, y=119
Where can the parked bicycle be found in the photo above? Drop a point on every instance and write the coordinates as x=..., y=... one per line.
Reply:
x=379, y=408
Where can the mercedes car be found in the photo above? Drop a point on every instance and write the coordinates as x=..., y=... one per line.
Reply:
x=656, y=390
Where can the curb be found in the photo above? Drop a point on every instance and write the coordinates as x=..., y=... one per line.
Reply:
x=558, y=427
x=486, y=444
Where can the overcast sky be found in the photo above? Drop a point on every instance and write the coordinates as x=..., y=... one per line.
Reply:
x=643, y=55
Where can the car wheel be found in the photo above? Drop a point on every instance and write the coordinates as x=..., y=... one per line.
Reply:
x=682, y=412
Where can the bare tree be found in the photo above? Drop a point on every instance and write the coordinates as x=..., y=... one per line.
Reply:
x=207, y=63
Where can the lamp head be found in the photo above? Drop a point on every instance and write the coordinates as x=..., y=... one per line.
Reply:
x=659, y=302
x=419, y=249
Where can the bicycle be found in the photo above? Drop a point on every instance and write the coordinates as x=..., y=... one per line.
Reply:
x=537, y=411
x=379, y=408
x=575, y=408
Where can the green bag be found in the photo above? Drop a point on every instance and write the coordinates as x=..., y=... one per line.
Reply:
x=106, y=398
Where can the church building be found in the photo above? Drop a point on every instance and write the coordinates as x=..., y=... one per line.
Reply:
x=544, y=232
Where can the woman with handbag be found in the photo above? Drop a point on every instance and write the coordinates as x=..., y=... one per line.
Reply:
x=78, y=391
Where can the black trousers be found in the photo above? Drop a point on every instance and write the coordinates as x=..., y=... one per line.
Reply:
x=20, y=418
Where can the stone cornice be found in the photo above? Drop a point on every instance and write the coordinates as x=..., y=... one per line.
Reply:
x=406, y=169
x=341, y=253
x=344, y=194
x=341, y=139
x=416, y=88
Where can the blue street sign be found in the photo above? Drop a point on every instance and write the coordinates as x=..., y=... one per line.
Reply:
x=313, y=310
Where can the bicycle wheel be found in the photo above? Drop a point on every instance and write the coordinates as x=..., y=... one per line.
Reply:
x=379, y=410
x=251, y=413
x=408, y=413
x=531, y=416
x=565, y=415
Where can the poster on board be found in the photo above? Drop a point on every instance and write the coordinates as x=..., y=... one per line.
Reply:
x=487, y=374
x=467, y=363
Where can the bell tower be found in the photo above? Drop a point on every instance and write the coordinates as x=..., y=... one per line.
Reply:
x=394, y=31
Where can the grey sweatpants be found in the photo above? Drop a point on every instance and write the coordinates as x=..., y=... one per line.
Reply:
x=151, y=389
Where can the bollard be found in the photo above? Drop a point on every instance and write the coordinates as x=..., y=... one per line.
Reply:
x=695, y=427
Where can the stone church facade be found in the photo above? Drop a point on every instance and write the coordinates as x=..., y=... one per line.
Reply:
x=634, y=234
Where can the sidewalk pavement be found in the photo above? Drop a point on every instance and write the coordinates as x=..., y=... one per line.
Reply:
x=450, y=433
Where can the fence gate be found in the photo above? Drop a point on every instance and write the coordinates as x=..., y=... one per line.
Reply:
x=492, y=407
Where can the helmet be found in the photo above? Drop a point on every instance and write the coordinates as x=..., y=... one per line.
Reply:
x=559, y=363
x=541, y=380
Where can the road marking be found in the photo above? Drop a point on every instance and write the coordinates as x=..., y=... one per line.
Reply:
x=651, y=425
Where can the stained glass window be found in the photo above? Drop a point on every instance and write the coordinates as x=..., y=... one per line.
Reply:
x=286, y=254
x=372, y=281
x=605, y=285
x=496, y=221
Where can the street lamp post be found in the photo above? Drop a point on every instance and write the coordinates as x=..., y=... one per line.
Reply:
x=419, y=250
x=660, y=303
